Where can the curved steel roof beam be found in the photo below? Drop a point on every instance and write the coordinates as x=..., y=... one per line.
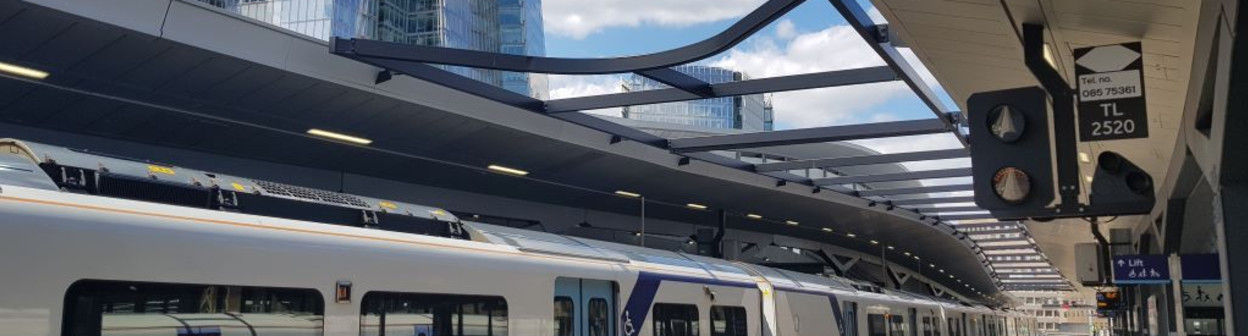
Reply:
x=714, y=45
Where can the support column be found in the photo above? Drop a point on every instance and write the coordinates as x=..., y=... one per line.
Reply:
x=1231, y=204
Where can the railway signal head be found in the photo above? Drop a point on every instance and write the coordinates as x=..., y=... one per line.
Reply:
x=1010, y=152
x=1121, y=187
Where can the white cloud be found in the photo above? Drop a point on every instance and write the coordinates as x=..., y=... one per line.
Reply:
x=581, y=18
x=786, y=29
x=833, y=48
x=570, y=86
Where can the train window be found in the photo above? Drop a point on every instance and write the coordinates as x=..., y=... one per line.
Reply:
x=927, y=326
x=565, y=314
x=728, y=321
x=953, y=326
x=897, y=325
x=675, y=319
x=388, y=313
x=876, y=325
x=94, y=308
x=935, y=325
x=599, y=317
x=850, y=322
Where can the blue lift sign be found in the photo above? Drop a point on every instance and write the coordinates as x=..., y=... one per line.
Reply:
x=1141, y=269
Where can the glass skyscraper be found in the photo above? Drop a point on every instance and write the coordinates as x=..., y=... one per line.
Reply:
x=507, y=26
x=520, y=26
x=750, y=112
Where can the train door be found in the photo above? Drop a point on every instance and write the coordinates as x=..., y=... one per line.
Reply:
x=972, y=327
x=914, y=320
x=584, y=307
x=850, y=318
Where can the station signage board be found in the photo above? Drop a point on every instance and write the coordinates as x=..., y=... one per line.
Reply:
x=1201, y=268
x=1202, y=295
x=1110, y=82
x=1141, y=269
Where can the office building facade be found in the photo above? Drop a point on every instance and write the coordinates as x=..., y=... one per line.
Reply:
x=749, y=112
x=507, y=26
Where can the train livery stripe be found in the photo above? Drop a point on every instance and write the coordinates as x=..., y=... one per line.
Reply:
x=647, y=286
x=836, y=313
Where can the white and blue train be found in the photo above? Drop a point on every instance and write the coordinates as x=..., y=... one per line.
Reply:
x=97, y=245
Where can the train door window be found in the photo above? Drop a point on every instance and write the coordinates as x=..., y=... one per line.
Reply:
x=897, y=325
x=418, y=314
x=914, y=321
x=728, y=321
x=876, y=326
x=565, y=314
x=935, y=325
x=927, y=326
x=675, y=319
x=94, y=308
x=952, y=326
x=599, y=317
x=850, y=322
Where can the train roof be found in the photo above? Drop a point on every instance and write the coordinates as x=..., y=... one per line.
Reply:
x=57, y=168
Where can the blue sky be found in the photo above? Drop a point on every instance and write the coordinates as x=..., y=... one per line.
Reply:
x=812, y=37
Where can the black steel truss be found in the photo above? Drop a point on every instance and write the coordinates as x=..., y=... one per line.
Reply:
x=729, y=89
x=915, y=190
x=862, y=160
x=807, y=135
x=934, y=210
x=932, y=201
x=904, y=176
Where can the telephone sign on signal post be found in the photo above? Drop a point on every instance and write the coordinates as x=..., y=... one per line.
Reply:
x=1111, y=92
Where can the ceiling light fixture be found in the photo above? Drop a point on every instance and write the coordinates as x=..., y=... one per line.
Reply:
x=851, y=235
x=753, y=216
x=789, y=222
x=22, y=71
x=696, y=206
x=339, y=136
x=827, y=230
x=508, y=170
x=873, y=241
x=627, y=194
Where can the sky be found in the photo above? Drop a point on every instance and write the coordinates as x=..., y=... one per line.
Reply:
x=810, y=38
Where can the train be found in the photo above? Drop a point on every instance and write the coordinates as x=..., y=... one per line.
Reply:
x=93, y=244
